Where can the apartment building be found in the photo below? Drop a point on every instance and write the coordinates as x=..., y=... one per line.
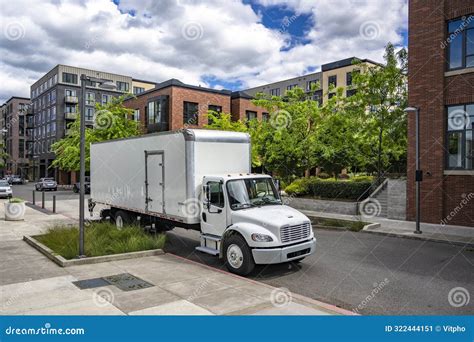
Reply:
x=55, y=104
x=336, y=74
x=16, y=137
x=441, y=85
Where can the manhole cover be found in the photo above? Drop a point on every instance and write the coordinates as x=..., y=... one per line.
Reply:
x=127, y=282
x=90, y=283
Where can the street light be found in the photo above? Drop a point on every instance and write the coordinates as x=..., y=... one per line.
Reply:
x=418, y=172
x=107, y=85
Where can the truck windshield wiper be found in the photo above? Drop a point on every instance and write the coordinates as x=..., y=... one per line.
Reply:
x=243, y=205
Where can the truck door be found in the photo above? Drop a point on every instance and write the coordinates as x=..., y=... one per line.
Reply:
x=154, y=181
x=214, y=218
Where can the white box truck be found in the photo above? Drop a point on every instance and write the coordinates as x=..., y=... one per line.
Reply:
x=199, y=179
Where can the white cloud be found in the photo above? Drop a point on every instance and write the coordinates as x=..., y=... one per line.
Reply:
x=184, y=39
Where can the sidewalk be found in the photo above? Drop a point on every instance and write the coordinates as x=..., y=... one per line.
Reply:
x=458, y=235
x=30, y=284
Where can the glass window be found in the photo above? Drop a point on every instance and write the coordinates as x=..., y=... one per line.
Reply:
x=90, y=99
x=455, y=150
x=460, y=39
x=190, y=113
x=311, y=84
x=245, y=193
x=70, y=109
x=275, y=92
x=332, y=81
x=136, y=115
x=122, y=86
x=89, y=114
x=138, y=90
x=460, y=147
x=291, y=86
x=265, y=116
x=217, y=194
x=70, y=92
x=69, y=78
x=216, y=109
x=53, y=96
x=154, y=112
x=250, y=115
x=105, y=99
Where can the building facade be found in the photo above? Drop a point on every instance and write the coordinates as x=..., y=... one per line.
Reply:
x=441, y=85
x=16, y=137
x=55, y=103
x=336, y=74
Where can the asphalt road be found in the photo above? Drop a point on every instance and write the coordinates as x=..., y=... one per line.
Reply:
x=368, y=273
x=25, y=191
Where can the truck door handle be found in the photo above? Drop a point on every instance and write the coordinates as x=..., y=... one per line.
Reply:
x=149, y=199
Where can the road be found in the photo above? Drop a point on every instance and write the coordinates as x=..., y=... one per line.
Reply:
x=25, y=191
x=371, y=274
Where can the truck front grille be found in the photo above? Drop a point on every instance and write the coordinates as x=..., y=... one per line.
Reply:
x=294, y=233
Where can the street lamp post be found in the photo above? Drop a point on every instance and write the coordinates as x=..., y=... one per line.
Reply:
x=104, y=84
x=418, y=171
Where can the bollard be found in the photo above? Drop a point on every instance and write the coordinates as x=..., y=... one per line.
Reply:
x=34, y=200
x=54, y=204
x=42, y=199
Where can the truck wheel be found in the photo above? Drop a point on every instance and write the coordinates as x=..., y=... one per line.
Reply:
x=238, y=255
x=121, y=219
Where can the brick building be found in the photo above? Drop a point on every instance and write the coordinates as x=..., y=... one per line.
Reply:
x=441, y=85
x=172, y=105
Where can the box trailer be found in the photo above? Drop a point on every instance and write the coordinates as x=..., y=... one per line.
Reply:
x=199, y=179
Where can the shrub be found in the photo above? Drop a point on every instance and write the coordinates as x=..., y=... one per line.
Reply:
x=362, y=179
x=324, y=175
x=298, y=187
x=101, y=238
x=343, y=176
x=15, y=200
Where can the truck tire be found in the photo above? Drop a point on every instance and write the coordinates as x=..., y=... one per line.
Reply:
x=121, y=219
x=238, y=256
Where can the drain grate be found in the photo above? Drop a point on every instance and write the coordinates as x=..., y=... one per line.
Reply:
x=127, y=282
x=90, y=283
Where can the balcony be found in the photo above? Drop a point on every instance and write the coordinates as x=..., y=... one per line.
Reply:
x=70, y=116
x=71, y=99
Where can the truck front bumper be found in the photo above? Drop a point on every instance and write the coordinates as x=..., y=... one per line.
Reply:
x=283, y=254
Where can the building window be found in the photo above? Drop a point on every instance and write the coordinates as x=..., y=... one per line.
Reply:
x=69, y=78
x=21, y=125
x=250, y=115
x=331, y=95
x=90, y=114
x=190, y=113
x=122, y=86
x=215, y=109
x=461, y=43
x=70, y=92
x=154, y=112
x=105, y=99
x=21, y=148
x=311, y=84
x=332, y=81
x=53, y=113
x=138, y=90
x=90, y=99
x=70, y=109
x=275, y=92
x=55, y=78
x=291, y=86
x=53, y=96
x=136, y=115
x=265, y=116
x=350, y=92
x=460, y=143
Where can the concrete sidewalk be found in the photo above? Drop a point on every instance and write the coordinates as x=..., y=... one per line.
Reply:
x=30, y=284
x=458, y=235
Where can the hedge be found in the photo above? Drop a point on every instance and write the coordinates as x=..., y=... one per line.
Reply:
x=331, y=189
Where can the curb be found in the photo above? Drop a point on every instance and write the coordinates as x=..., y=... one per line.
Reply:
x=414, y=237
x=328, y=307
x=61, y=261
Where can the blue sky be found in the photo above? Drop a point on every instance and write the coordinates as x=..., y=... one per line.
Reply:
x=223, y=44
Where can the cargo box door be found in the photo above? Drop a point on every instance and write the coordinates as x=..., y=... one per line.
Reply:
x=154, y=181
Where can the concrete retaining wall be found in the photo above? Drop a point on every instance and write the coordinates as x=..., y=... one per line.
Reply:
x=336, y=207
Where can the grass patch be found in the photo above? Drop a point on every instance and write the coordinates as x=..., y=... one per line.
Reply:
x=323, y=222
x=101, y=238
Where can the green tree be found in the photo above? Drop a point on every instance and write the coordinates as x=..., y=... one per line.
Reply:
x=381, y=96
x=111, y=121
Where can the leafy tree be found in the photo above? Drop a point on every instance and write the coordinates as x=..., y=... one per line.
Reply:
x=111, y=121
x=381, y=96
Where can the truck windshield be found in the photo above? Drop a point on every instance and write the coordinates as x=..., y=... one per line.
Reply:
x=252, y=192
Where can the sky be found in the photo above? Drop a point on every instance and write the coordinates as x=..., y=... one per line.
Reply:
x=231, y=44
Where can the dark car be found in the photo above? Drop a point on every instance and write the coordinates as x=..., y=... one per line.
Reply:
x=87, y=186
x=46, y=184
x=15, y=179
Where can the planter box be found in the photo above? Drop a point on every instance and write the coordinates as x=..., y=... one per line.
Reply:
x=14, y=211
x=336, y=207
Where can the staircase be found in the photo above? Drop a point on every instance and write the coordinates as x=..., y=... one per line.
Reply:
x=382, y=197
x=388, y=200
x=377, y=203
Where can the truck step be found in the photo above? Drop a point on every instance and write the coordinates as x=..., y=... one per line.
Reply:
x=211, y=237
x=207, y=250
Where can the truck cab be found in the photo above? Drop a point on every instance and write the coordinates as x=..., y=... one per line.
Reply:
x=244, y=221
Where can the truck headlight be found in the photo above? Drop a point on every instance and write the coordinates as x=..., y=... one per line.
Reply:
x=261, y=237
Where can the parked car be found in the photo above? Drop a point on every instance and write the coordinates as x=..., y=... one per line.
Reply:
x=87, y=186
x=46, y=184
x=15, y=179
x=5, y=189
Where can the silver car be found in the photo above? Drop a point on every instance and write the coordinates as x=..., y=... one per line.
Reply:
x=46, y=184
x=5, y=189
